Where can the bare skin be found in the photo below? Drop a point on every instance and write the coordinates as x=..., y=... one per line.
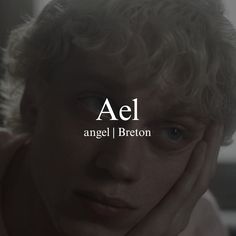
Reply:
x=172, y=214
x=154, y=178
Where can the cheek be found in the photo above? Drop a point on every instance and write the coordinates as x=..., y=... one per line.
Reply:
x=58, y=154
x=162, y=175
x=61, y=147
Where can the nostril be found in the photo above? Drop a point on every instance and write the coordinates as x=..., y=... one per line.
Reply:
x=113, y=169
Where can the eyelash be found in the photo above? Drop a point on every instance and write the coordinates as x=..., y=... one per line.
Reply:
x=160, y=134
x=182, y=131
x=92, y=104
x=162, y=140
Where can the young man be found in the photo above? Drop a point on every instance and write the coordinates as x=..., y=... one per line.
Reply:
x=65, y=70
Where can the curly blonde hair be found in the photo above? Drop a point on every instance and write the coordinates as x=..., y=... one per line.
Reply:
x=186, y=41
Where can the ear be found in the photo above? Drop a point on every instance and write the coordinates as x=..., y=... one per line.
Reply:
x=28, y=107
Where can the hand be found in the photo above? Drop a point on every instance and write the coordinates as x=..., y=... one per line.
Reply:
x=171, y=215
x=9, y=145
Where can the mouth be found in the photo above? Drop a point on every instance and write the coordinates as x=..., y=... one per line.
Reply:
x=104, y=200
x=103, y=206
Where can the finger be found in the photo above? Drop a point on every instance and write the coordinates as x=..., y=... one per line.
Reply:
x=181, y=219
x=164, y=212
x=213, y=138
x=182, y=198
x=183, y=187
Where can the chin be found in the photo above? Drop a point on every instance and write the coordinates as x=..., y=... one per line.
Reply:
x=71, y=227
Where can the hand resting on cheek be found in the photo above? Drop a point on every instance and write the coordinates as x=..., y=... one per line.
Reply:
x=171, y=216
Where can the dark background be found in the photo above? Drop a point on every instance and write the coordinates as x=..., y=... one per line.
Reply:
x=12, y=13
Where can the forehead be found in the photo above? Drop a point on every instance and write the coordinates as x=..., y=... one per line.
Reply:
x=98, y=72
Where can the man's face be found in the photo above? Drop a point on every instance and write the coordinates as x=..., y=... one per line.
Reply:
x=106, y=186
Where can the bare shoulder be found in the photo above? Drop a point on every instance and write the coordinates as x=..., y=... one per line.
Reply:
x=205, y=219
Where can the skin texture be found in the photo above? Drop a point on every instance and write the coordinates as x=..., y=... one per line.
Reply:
x=156, y=176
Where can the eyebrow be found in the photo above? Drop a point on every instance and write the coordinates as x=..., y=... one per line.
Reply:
x=177, y=110
x=182, y=110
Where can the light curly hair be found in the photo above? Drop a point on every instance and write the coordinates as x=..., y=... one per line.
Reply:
x=188, y=44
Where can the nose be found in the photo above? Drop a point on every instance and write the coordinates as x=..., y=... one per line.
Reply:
x=120, y=159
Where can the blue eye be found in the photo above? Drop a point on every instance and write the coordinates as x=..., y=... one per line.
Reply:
x=171, y=136
x=175, y=134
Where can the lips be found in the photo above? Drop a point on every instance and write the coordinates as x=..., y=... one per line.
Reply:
x=100, y=198
x=94, y=206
